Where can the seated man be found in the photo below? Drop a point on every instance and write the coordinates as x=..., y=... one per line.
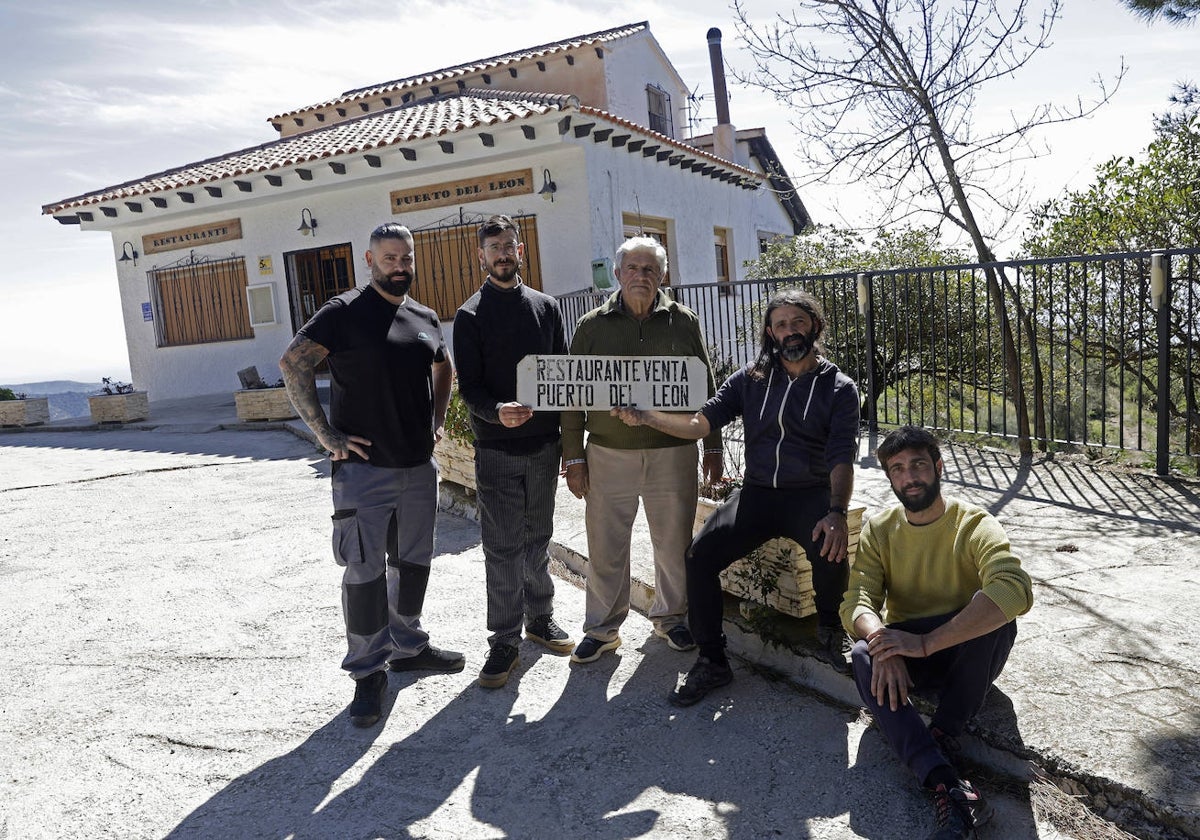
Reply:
x=943, y=573
x=800, y=417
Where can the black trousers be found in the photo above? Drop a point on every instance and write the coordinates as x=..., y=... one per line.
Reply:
x=958, y=676
x=750, y=517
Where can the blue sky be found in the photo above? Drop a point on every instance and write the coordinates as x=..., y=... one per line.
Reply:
x=96, y=93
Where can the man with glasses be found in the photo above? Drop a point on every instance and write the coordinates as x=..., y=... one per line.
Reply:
x=390, y=382
x=621, y=466
x=518, y=453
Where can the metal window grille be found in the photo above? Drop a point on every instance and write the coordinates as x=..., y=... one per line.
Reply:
x=447, y=261
x=658, y=103
x=197, y=300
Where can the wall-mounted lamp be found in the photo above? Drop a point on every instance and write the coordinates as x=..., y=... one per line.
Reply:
x=128, y=252
x=549, y=188
x=307, y=223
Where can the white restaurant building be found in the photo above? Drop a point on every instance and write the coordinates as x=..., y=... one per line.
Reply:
x=220, y=261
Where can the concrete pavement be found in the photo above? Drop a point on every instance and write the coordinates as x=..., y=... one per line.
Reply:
x=1100, y=692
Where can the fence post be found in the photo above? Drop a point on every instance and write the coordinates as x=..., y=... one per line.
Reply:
x=1160, y=299
x=867, y=311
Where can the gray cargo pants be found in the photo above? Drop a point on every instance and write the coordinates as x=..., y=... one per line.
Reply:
x=383, y=521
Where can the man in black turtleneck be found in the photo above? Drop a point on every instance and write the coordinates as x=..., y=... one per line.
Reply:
x=518, y=453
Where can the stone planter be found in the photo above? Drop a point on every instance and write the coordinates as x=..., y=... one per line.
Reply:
x=32, y=411
x=119, y=408
x=777, y=573
x=456, y=461
x=263, y=404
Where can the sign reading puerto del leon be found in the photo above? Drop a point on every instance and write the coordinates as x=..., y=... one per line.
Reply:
x=170, y=240
x=558, y=383
x=499, y=185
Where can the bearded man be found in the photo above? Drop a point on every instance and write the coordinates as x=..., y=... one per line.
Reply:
x=800, y=417
x=390, y=380
x=518, y=453
x=943, y=575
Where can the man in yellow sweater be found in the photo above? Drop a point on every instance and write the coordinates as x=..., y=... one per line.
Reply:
x=942, y=574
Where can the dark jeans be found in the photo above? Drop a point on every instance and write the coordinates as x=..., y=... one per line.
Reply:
x=959, y=677
x=750, y=517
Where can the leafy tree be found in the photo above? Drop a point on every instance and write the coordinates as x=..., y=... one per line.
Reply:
x=924, y=315
x=1132, y=205
x=886, y=93
x=1174, y=11
x=826, y=249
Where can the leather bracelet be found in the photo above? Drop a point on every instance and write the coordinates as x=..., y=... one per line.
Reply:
x=840, y=510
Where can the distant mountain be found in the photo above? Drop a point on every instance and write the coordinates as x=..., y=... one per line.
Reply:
x=64, y=397
x=57, y=386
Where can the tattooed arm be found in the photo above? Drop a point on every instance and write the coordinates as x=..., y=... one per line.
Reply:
x=299, y=367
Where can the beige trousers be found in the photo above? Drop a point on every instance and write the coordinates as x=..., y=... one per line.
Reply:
x=665, y=481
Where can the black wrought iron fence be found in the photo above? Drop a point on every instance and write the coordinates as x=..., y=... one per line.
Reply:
x=1082, y=352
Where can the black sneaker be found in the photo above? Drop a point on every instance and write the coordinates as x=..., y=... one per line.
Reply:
x=545, y=631
x=834, y=647
x=591, y=648
x=703, y=678
x=431, y=659
x=367, y=705
x=678, y=637
x=958, y=811
x=501, y=661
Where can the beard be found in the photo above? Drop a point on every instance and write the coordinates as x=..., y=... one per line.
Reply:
x=396, y=284
x=795, y=347
x=920, y=502
x=504, y=270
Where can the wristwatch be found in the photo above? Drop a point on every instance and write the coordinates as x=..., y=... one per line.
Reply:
x=840, y=510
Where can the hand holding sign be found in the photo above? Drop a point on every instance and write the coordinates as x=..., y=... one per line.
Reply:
x=628, y=416
x=513, y=414
x=582, y=383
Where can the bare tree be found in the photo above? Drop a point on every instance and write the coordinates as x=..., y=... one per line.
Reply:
x=886, y=94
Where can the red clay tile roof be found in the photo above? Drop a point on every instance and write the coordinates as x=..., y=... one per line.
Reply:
x=402, y=124
x=466, y=109
x=480, y=66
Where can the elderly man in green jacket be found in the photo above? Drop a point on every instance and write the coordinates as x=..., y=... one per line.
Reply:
x=623, y=465
x=943, y=575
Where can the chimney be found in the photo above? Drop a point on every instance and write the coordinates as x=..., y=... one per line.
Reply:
x=724, y=135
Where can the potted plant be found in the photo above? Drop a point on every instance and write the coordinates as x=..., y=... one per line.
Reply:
x=118, y=402
x=455, y=452
x=17, y=409
x=775, y=574
x=259, y=400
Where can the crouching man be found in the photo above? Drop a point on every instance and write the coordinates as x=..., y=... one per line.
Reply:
x=944, y=575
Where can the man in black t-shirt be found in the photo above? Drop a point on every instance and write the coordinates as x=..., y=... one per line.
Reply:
x=518, y=454
x=389, y=387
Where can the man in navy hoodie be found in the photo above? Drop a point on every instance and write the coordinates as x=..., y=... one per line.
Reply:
x=800, y=416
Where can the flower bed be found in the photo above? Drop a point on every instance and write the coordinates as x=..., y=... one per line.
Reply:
x=263, y=404
x=29, y=411
x=119, y=408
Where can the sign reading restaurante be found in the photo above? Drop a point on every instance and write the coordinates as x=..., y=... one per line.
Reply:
x=170, y=240
x=556, y=383
x=455, y=192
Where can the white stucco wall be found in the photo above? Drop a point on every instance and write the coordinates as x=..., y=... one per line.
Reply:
x=596, y=185
x=632, y=66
